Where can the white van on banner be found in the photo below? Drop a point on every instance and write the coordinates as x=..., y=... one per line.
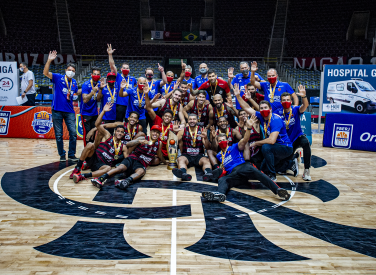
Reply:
x=349, y=89
x=9, y=87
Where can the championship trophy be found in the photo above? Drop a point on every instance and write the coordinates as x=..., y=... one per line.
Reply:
x=172, y=150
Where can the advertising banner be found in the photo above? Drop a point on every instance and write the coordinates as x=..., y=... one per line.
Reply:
x=9, y=87
x=350, y=131
x=305, y=123
x=32, y=122
x=349, y=89
x=35, y=59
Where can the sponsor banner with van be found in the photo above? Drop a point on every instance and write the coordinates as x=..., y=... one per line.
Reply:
x=350, y=131
x=31, y=122
x=349, y=89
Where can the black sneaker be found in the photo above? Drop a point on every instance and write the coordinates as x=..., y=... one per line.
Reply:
x=207, y=176
x=72, y=158
x=295, y=167
x=282, y=193
x=181, y=175
x=217, y=173
x=214, y=196
x=122, y=184
x=62, y=158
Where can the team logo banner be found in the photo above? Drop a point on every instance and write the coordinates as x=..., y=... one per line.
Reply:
x=79, y=128
x=4, y=122
x=350, y=131
x=349, y=89
x=42, y=122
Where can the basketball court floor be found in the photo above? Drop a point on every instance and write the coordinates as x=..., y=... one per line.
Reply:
x=49, y=225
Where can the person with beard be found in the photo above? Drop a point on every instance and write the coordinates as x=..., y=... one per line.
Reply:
x=273, y=89
x=88, y=102
x=203, y=110
x=122, y=102
x=108, y=93
x=252, y=97
x=134, y=166
x=227, y=110
x=186, y=96
x=202, y=78
x=136, y=100
x=169, y=86
x=193, y=141
x=165, y=123
x=62, y=106
x=173, y=104
x=276, y=147
x=291, y=115
x=237, y=170
x=101, y=157
x=133, y=130
x=243, y=78
x=214, y=87
x=251, y=153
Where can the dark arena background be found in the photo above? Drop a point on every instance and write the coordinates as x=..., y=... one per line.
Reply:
x=216, y=170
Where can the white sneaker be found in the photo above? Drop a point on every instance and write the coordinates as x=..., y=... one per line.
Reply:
x=306, y=176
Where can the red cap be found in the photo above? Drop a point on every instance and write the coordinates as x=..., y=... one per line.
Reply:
x=111, y=74
x=156, y=127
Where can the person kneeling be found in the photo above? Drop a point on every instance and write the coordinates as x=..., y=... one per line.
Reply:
x=136, y=163
x=238, y=171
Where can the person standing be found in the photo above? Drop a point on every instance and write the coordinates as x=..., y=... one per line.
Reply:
x=88, y=106
x=62, y=106
x=202, y=78
x=27, y=85
x=122, y=102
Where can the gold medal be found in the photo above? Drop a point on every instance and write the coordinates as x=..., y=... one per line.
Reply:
x=215, y=88
x=111, y=94
x=266, y=127
x=139, y=105
x=117, y=148
x=223, y=158
x=194, y=136
x=116, y=157
x=271, y=100
x=193, y=144
x=69, y=87
x=221, y=166
x=112, y=101
x=287, y=121
x=272, y=91
x=140, y=99
x=150, y=142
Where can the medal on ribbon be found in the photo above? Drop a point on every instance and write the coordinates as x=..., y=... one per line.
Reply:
x=140, y=98
x=117, y=148
x=68, y=87
x=111, y=94
x=272, y=91
x=194, y=136
x=288, y=121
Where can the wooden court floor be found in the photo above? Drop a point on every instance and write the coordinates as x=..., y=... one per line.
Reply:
x=162, y=226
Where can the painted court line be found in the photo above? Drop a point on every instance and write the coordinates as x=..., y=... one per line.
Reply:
x=57, y=181
x=173, y=238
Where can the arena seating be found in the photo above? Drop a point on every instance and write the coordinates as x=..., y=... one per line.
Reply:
x=40, y=79
x=318, y=28
x=308, y=78
x=31, y=26
x=177, y=17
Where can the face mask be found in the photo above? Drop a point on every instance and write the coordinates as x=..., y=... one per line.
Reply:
x=70, y=74
x=169, y=79
x=111, y=82
x=286, y=104
x=21, y=69
x=141, y=87
x=95, y=77
x=272, y=80
x=265, y=113
x=222, y=144
x=125, y=72
x=188, y=74
x=245, y=72
x=149, y=76
x=203, y=71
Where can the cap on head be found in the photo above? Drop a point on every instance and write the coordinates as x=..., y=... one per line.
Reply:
x=156, y=127
x=111, y=74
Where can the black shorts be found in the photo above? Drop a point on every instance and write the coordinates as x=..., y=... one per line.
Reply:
x=132, y=165
x=94, y=162
x=193, y=160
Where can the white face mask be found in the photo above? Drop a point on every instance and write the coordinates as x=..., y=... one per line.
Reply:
x=21, y=69
x=70, y=74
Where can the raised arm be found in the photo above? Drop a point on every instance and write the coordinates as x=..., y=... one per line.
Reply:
x=51, y=57
x=160, y=155
x=110, y=51
x=254, y=82
x=242, y=103
x=180, y=139
x=148, y=106
x=182, y=115
x=205, y=139
x=230, y=73
x=295, y=98
x=101, y=87
x=302, y=93
x=232, y=107
x=189, y=106
x=164, y=78
x=181, y=77
x=86, y=97
x=123, y=85
x=98, y=122
x=248, y=127
x=213, y=138
x=248, y=97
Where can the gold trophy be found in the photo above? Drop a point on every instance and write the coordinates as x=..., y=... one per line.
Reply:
x=172, y=150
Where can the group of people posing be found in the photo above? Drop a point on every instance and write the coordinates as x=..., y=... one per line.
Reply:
x=255, y=138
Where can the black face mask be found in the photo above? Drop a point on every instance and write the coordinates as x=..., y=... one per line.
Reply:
x=245, y=72
x=149, y=76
